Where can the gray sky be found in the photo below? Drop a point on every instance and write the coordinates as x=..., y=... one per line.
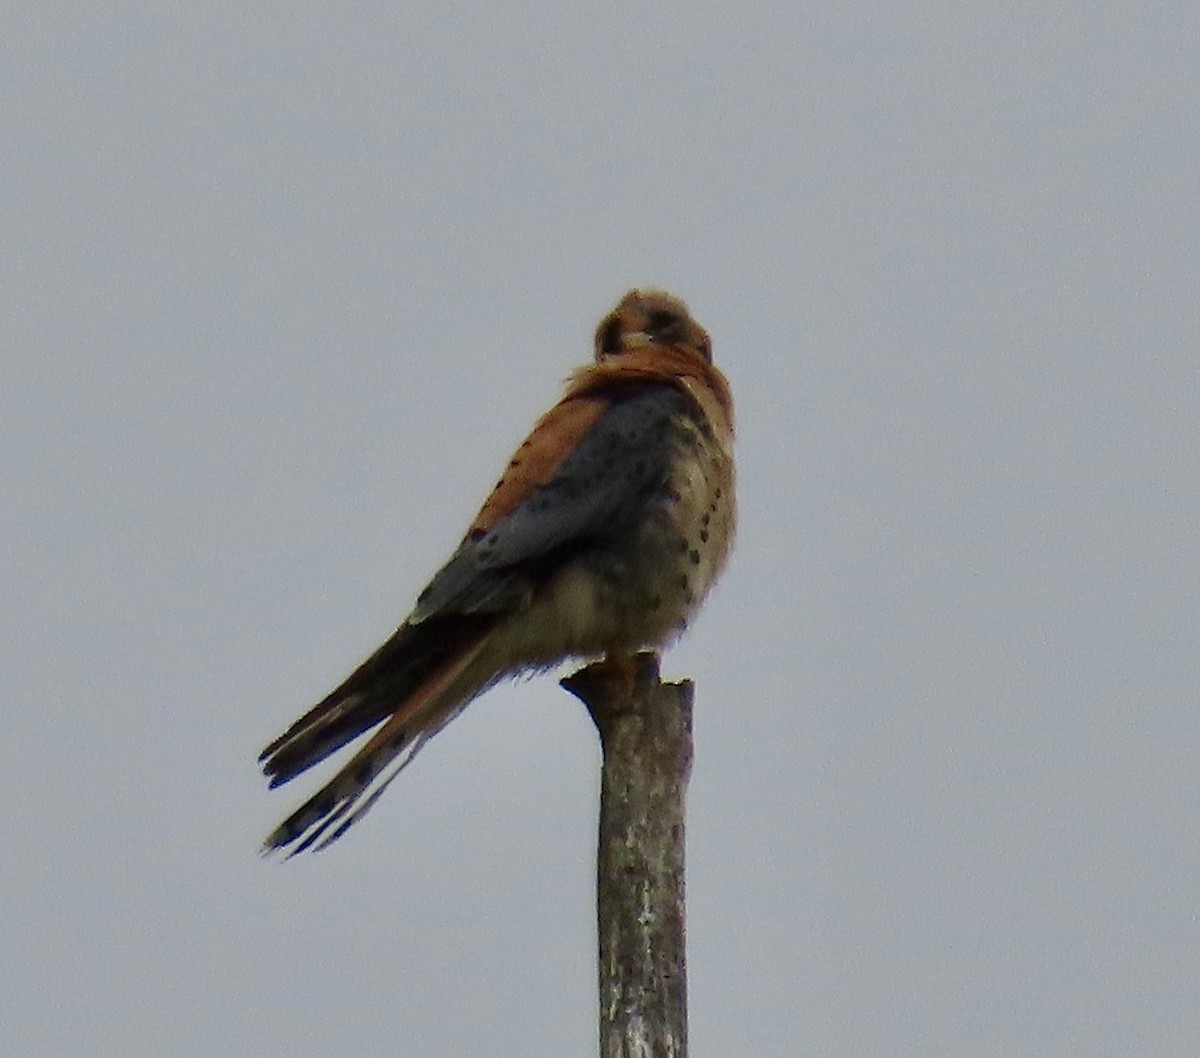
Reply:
x=283, y=284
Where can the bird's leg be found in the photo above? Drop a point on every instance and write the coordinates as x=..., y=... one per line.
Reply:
x=612, y=683
x=620, y=671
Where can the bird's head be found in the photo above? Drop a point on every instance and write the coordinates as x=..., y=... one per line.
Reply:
x=650, y=317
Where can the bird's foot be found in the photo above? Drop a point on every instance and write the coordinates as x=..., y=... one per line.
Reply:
x=613, y=682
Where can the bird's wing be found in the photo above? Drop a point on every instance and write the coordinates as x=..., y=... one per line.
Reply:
x=595, y=486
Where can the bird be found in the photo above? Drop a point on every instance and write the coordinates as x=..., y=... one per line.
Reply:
x=608, y=527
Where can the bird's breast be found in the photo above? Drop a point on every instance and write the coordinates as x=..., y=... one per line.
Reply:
x=639, y=589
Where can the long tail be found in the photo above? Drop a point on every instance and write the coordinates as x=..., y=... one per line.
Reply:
x=414, y=682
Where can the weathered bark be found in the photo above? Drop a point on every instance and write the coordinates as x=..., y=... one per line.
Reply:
x=646, y=734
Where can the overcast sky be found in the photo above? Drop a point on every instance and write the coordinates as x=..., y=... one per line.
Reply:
x=280, y=287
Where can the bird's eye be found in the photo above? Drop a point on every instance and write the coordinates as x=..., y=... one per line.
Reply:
x=660, y=320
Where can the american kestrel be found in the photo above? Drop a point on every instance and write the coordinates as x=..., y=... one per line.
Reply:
x=608, y=527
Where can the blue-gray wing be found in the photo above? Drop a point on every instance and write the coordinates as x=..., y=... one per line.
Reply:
x=597, y=494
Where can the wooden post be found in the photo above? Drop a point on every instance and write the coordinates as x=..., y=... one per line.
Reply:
x=646, y=735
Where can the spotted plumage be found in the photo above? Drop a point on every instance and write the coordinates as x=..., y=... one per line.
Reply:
x=608, y=527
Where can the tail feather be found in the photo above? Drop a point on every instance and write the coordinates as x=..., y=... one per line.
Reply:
x=370, y=694
x=352, y=792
